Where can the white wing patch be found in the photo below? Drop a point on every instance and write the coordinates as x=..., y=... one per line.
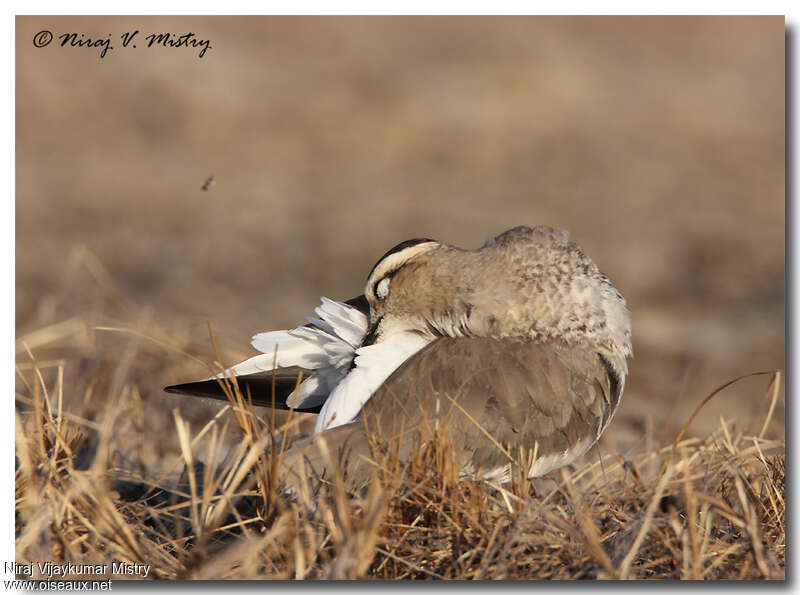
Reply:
x=341, y=320
x=374, y=364
x=327, y=346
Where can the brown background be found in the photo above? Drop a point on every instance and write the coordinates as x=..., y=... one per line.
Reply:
x=657, y=141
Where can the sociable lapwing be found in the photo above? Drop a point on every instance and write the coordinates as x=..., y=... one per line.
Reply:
x=520, y=344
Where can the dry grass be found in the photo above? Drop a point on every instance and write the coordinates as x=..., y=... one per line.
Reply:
x=706, y=508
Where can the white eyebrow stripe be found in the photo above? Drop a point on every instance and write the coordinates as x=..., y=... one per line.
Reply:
x=396, y=260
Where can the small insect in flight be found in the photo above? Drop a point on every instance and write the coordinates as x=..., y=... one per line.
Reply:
x=208, y=184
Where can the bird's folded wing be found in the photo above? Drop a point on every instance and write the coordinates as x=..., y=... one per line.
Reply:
x=488, y=397
x=495, y=395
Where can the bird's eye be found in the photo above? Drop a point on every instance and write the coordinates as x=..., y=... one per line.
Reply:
x=382, y=288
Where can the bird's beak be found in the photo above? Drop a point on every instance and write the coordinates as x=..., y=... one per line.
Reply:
x=372, y=333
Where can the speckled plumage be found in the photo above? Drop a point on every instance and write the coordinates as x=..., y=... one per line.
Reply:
x=526, y=283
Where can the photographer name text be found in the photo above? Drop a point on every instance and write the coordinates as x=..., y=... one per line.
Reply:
x=49, y=569
x=130, y=39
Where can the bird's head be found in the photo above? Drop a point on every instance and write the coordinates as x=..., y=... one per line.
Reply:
x=526, y=283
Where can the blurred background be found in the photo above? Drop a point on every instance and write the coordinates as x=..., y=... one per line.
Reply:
x=657, y=141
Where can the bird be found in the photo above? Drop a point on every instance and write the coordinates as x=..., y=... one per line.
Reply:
x=520, y=345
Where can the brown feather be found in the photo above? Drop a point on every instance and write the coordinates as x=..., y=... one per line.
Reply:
x=507, y=394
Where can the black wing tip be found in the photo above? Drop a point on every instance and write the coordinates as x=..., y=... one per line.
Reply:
x=257, y=390
x=202, y=388
x=175, y=388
